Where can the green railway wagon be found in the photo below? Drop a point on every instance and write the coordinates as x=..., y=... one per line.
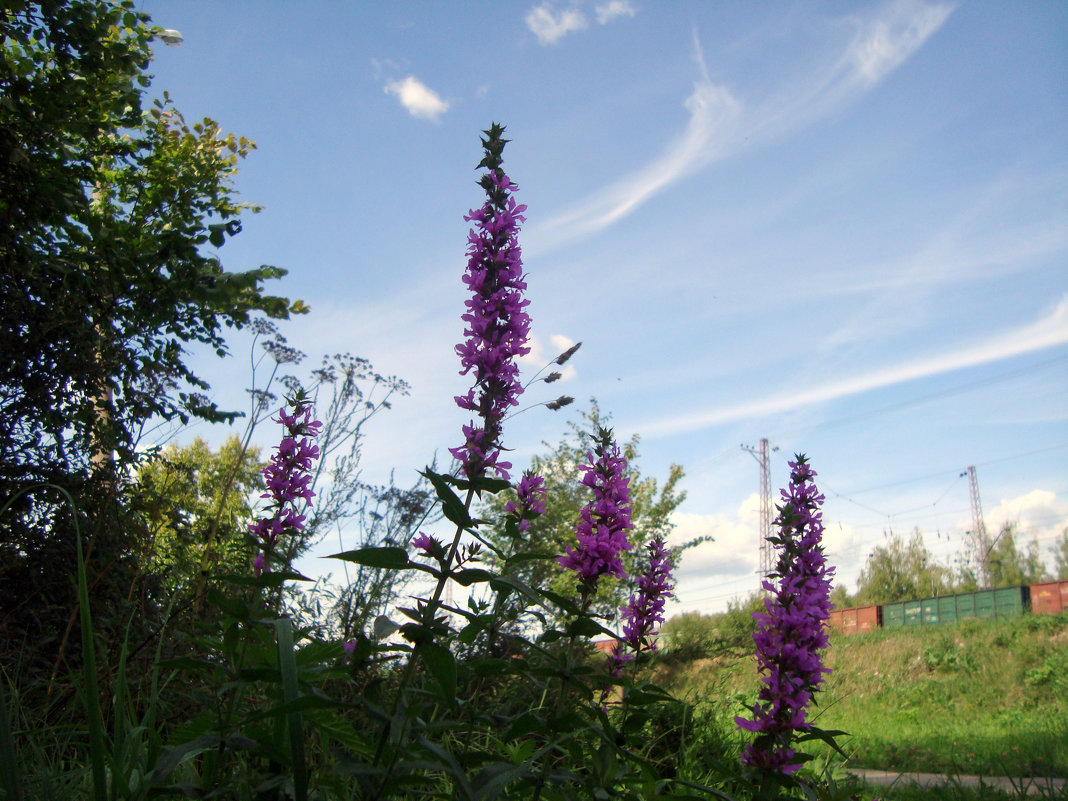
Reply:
x=893, y=615
x=929, y=608
x=947, y=609
x=1011, y=601
x=1003, y=602
x=913, y=613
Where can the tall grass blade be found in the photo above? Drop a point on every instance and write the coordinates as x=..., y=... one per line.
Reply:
x=287, y=663
x=9, y=766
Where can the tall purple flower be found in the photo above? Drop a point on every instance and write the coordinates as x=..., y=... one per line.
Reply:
x=644, y=612
x=791, y=634
x=530, y=500
x=497, y=324
x=288, y=478
x=604, y=522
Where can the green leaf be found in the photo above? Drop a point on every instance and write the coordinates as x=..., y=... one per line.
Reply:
x=383, y=627
x=176, y=756
x=587, y=627
x=451, y=505
x=827, y=736
x=189, y=663
x=288, y=664
x=509, y=583
x=477, y=625
x=391, y=557
x=473, y=575
x=229, y=606
x=441, y=664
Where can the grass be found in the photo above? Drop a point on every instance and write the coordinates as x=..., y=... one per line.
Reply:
x=986, y=698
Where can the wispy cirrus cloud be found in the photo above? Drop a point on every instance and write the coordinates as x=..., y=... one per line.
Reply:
x=720, y=124
x=418, y=98
x=886, y=42
x=1046, y=332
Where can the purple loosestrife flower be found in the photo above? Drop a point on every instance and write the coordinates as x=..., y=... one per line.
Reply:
x=497, y=325
x=791, y=634
x=531, y=500
x=425, y=543
x=604, y=522
x=288, y=478
x=645, y=609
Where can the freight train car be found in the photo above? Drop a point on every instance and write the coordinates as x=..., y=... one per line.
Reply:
x=1048, y=597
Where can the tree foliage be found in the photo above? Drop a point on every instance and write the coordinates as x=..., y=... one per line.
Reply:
x=1008, y=566
x=111, y=216
x=1060, y=557
x=194, y=499
x=901, y=571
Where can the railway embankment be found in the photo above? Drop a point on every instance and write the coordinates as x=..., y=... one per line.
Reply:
x=978, y=697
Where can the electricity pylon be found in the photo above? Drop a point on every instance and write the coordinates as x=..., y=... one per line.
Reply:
x=979, y=548
x=762, y=455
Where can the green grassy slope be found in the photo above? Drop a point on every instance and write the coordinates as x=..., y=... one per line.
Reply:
x=980, y=697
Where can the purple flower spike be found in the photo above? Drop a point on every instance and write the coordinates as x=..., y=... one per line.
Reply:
x=791, y=634
x=644, y=612
x=602, y=529
x=497, y=325
x=531, y=492
x=288, y=479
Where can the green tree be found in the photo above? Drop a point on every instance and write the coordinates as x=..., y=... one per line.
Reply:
x=111, y=217
x=901, y=571
x=550, y=534
x=840, y=597
x=1007, y=566
x=1060, y=557
x=193, y=500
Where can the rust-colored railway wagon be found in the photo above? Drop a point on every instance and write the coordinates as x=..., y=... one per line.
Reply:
x=1049, y=597
x=856, y=620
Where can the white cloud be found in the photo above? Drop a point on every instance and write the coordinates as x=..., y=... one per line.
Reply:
x=885, y=43
x=420, y=100
x=712, y=111
x=1038, y=514
x=1048, y=331
x=606, y=12
x=538, y=358
x=549, y=27
x=720, y=124
x=733, y=550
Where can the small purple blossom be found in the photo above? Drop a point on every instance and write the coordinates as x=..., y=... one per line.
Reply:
x=604, y=522
x=791, y=634
x=531, y=500
x=425, y=543
x=288, y=479
x=497, y=324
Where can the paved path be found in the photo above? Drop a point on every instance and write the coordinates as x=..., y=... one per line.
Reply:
x=1031, y=786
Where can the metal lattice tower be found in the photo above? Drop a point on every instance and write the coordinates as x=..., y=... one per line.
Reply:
x=978, y=532
x=762, y=455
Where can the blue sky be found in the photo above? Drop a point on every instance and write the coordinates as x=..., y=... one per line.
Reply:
x=840, y=225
